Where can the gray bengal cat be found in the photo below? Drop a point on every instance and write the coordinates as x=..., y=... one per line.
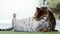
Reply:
x=43, y=21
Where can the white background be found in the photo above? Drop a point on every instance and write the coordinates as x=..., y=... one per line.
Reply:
x=23, y=8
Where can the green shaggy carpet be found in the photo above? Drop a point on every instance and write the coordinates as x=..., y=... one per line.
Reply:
x=13, y=32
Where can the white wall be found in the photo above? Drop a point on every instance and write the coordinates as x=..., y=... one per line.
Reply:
x=23, y=8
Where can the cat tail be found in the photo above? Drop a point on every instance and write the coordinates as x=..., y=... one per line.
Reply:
x=14, y=15
x=14, y=18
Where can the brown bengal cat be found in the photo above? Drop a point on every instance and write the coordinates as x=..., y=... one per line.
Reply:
x=40, y=13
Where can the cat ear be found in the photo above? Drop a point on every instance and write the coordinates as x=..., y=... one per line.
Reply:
x=44, y=8
x=37, y=8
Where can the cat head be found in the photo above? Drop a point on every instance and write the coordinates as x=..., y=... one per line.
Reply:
x=40, y=12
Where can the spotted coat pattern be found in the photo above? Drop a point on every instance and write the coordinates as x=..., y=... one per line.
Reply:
x=29, y=24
